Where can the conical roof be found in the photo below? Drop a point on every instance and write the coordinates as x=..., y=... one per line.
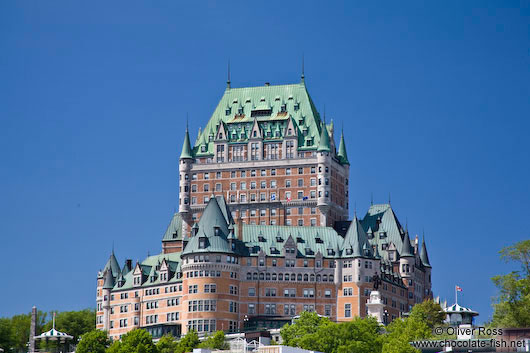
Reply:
x=406, y=248
x=109, y=280
x=343, y=155
x=324, y=145
x=356, y=239
x=113, y=265
x=423, y=254
x=186, y=146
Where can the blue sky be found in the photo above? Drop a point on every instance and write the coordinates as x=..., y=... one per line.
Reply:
x=434, y=98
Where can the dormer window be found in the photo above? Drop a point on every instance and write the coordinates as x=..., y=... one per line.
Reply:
x=221, y=135
x=382, y=235
x=331, y=252
x=283, y=108
x=203, y=148
x=349, y=251
x=296, y=107
x=228, y=111
x=290, y=132
x=255, y=134
x=210, y=138
x=202, y=243
x=261, y=239
x=216, y=231
x=279, y=239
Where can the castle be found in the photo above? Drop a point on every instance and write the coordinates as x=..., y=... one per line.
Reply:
x=262, y=231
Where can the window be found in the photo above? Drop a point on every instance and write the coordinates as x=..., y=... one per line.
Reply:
x=252, y=309
x=252, y=292
x=347, y=310
x=243, y=185
x=206, y=176
x=270, y=309
x=287, y=183
x=206, y=187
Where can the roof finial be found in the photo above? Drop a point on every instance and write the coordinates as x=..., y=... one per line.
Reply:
x=355, y=208
x=187, y=119
x=228, y=81
x=389, y=200
x=113, y=247
x=303, y=69
x=372, y=198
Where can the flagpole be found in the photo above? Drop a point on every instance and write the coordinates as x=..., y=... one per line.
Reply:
x=456, y=295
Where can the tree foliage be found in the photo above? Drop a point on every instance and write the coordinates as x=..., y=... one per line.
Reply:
x=135, y=341
x=188, y=342
x=215, y=341
x=74, y=323
x=95, y=341
x=307, y=323
x=14, y=331
x=512, y=305
x=429, y=312
x=167, y=344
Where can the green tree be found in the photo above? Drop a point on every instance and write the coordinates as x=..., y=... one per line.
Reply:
x=167, y=344
x=307, y=323
x=95, y=341
x=20, y=326
x=512, y=305
x=6, y=334
x=401, y=332
x=215, y=341
x=429, y=312
x=356, y=336
x=188, y=342
x=74, y=323
x=135, y=341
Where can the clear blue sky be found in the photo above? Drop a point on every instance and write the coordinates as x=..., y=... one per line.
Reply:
x=434, y=97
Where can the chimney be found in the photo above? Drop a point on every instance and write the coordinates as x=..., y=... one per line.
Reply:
x=129, y=264
x=239, y=226
x=267, y=84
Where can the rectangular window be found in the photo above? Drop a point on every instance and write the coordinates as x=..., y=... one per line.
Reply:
x=347, y=310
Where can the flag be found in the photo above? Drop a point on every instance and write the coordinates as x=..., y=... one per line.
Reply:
x=273, y=197
x=305, y=198
x=288, y=199
x=458, y=289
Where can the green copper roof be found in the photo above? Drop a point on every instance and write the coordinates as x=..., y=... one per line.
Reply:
x=113, y=265
x=356, y=240
x=186, y=146
x=423, y=254
x=406, y=247
x=308, y=240
x=272, y=106
x=174, y=229
x=324, y=144
x=213, y=230
x=109, y=280
x=343, y=156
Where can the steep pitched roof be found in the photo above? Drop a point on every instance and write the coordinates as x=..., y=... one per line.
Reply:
x=381, y=218
x=186, y=146
x=343, y=155
x=113, y=265
x=174, y=229
x=212, y=218
x=406, y=248
x=324, y=144
x=109, y=280
x=272, y=106
x=356, y=240
x=424, y=257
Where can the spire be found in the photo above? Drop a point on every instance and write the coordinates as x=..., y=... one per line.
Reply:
x=343, y=156
x=303, y=69
x=186, y=147
x=406, y=248
x=228, y=80
x=109, y=280
x=423, y=254
x=112, y=265
x=324, y=144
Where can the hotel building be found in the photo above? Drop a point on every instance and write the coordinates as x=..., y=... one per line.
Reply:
x=262, y=231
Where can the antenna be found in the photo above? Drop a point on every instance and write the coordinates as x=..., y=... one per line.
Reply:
x=228, y=81
x=303, y=68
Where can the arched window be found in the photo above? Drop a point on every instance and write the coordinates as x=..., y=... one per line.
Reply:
x=293, y=277
x=299, y=277
x=306, y=277
x=255, y=276
x=324, y=278
x=280, y=276
x=249, y=276
x=331, y=278
x=318, y=278
x=261, y=276
x=312, y=278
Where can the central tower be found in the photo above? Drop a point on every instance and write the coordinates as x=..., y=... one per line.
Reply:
x=267, y=151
